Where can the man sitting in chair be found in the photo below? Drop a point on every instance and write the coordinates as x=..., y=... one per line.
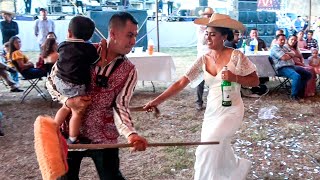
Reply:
x=284, y=64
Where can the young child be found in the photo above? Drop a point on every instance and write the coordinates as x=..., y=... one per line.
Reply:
x=314, y=60
x=73, y=69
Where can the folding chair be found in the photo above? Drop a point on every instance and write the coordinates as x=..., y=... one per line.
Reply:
x=33, y=83
x=284, y=82
x=4, y=83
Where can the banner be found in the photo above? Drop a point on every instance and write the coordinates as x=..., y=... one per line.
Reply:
x=269, y=5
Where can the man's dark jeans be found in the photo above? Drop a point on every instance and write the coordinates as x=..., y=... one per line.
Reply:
x=105, y=160
x=299, y=77
x=200, y=89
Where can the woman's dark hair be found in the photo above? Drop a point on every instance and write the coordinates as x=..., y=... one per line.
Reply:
x=225, y=31
x=48, y=46
x=12, y=48
x=55, y=36
x=295, y=46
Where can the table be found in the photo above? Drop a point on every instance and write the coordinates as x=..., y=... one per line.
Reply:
x=156, y=67
x=264, y=68
x=306, y=54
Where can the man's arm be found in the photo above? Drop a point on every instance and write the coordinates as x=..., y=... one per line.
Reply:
x=53, y=26
x=16, y=28
x=122, y=116
x=36, y=28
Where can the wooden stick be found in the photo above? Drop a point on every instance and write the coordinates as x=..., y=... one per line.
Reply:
x=106, y=146
x=154, y=110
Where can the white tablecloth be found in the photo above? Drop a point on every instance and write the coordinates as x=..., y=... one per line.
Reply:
x=264, y=68
x=157, y=67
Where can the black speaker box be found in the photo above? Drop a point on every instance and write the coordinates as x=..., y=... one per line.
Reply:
x=265, y=17
x=247, y=6
x=254, y=17
x=267, y=39
x=266, y=29
x=243, y=17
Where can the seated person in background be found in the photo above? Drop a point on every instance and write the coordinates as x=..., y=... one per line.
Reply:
x=284, y=64
x=314, y=60
x=298, y=59
x=4, y=69
x=261, y=44
x=73, y=70
x=51, y=35
x=311, y=43
x=262, y=88
x=14, y=74
x=234, y=42
x=279, y=31
x=302, y=44
x=25, y=67
x=50, y=48
x=49, y=54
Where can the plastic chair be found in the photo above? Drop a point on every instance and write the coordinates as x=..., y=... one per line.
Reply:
x=284, y=82
x=33, y=81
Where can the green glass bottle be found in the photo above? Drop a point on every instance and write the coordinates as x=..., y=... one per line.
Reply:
x=226, y=91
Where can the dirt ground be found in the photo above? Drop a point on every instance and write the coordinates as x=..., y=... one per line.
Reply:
x=283, y=147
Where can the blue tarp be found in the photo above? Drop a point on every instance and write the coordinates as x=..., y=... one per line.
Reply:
x=101, y=19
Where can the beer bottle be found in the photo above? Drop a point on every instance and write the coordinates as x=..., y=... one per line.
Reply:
x=226, y=91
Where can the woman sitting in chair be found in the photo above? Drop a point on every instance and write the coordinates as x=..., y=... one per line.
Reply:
x=299, y=61
x=21, y=62
x=50, y=54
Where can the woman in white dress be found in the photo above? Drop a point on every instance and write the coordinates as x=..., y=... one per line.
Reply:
x=218, y=162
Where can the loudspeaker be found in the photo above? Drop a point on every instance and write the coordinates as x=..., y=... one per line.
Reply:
x=247, y=6
x=252, y=17
x=267, y=39
x=243, y=17
x=266, y=30
x=266, y=17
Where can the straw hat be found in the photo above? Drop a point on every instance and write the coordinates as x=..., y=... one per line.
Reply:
x=220, y=20
x=207, y=11
x=7, y=12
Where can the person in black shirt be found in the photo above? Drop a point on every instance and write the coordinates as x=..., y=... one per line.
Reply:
x=232, y=43
x=73, y=75
x=9, y=28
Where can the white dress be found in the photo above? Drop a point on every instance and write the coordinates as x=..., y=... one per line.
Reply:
x=218, y=162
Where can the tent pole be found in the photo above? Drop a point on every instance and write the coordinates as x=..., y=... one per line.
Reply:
x=157, y=21
x=309, y=24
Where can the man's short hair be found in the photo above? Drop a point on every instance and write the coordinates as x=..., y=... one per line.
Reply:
x=254, y=29
x=281, y=31
x=310, y=31
x=119, y=20
x=42, y=9
x=279, y=35
x=81, y=27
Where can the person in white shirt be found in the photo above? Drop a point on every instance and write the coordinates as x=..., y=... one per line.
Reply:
x=43, y=26
x=202, y=49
